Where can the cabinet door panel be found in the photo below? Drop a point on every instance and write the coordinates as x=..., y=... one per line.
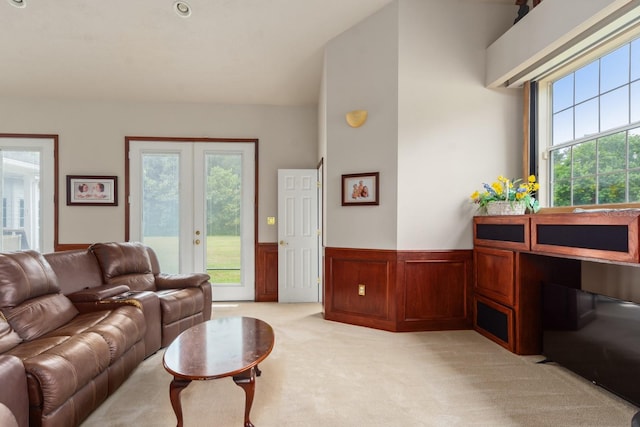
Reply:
x=494, y=274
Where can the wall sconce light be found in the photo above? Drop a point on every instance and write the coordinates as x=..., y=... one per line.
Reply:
x=18, y=3
x=182, y=8
x=356, y=118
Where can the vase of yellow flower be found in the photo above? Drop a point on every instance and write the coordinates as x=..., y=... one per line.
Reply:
x=508, y=197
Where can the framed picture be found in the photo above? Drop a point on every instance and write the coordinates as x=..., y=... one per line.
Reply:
x=360, y=189
x=92, y=190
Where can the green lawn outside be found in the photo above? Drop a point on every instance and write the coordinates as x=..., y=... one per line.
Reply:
x=223, y=252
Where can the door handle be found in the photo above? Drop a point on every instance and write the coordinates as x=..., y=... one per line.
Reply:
x=197, y=241
x=283, y=243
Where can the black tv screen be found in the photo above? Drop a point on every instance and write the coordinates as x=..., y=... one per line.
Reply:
x=595, y=336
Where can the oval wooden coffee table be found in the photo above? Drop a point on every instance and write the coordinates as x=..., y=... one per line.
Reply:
x=224, y=347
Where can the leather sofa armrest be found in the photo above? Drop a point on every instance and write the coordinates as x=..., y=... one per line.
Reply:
x=14, y=400
x=177, y=281
x=98, y=293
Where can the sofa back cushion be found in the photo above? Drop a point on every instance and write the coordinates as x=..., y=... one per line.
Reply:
x=30, y=298
x=25, y=275
x=125, y=264
x=76, y=270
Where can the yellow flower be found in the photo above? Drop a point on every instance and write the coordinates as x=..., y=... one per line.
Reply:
x=497, y=187
x=502, y=178
x=475, y=195
x=532, y=178
x=519, y=196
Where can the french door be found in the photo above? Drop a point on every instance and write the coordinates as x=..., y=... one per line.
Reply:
x=194, y=204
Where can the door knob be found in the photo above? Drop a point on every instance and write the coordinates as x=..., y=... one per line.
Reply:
x=197, y=232
x=283, y=243
x=197, y=241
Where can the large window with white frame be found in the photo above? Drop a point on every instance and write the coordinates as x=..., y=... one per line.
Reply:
x=590, y=128
x=27, y=187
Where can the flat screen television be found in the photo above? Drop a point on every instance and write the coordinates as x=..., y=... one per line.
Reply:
x=595, y=336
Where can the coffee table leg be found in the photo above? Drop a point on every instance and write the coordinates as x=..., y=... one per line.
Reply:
x=176, y=387
x=247, y=380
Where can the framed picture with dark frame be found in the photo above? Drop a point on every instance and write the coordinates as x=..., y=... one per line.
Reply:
x=89, y=190
x=360, y=189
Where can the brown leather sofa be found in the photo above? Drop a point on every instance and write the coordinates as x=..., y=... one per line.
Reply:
x=73, y=360
x=82, y=320
x=185, y=299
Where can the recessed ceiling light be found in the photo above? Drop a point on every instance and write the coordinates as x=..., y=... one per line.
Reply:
x=182, y=8
x=17, y=3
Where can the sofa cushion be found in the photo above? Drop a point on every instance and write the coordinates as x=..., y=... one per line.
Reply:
x=8, y=337
x=14, y=401
x=125, y=264
x=25, y=275
x=30, y=297
x=38, y=316
x=57, y=372
x=178, y=304
x=76, y=269
x=120, y=328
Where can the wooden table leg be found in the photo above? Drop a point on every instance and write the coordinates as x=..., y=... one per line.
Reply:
x=247, y=380
x=176, y=387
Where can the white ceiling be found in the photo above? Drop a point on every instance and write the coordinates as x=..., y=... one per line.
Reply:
x=227, y=51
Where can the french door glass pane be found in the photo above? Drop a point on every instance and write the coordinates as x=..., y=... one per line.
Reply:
x=20, y=200
x=223, y=208
x=161, y=207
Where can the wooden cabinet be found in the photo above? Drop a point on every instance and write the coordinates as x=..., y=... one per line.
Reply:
x=508, y=275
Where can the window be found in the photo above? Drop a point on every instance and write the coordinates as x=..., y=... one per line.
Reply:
x=593, y=129
x=28, y=192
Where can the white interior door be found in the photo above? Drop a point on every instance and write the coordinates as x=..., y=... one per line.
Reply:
x=193, y=203
x=298, y=279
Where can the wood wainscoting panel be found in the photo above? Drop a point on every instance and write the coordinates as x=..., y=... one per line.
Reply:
x=437, y=289
x=349, y=273
x=404, y=290
x=267, y=272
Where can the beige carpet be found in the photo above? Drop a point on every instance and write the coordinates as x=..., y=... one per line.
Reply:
x=328, y=374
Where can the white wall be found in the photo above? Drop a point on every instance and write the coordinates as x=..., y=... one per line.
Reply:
x=91, y=141
x=435, y=132
x=454, y=134
x=362, y=73
x=618, y=281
